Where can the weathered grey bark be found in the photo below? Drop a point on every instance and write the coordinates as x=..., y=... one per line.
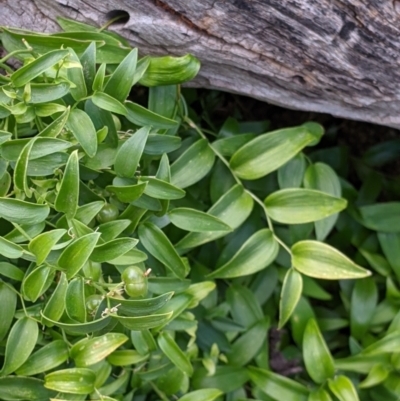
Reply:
x=336, y=56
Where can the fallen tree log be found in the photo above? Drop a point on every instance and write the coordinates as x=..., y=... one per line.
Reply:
x=335, y=56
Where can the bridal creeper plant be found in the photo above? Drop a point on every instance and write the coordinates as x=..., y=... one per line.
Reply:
x=142, y=260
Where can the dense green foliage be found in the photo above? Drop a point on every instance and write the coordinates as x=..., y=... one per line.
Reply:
x=144, y=257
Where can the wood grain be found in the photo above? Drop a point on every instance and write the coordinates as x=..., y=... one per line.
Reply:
x=336, y=56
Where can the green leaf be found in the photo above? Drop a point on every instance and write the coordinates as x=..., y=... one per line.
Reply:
x=160, y=189
x=11, y=271
x=144, y=322
x=106, y=102
x=122, y=79
x=37, y=282
x=390, y=244
x=298, y=206
x=37, y=67
x=42, y=244
x=4, y=136
x=127, y=193
x=232, y=208
x=9, y=249
x=141, y=116
x=255, y=254
x=8, y=298
x=278, y=387
x=268, y=152
x=319, y=395
x=291, y=174
x=140, y=307
x=75, y=300
x=20, y=343
x=90, y=351
x=20, y=177
x=13, y=388
x=322, y=177
x=290, y=294
x=72, y=381
x=172, y=351
x=42, y=93
x=55, y=306
x=206, y=394
x=158, y=245
x=143, y=341
x=46, y=358
x=228, y=146
x=388, y=344
x=5, y=183
x=129, y=154
x=193, y=164
x=319, y=260
x=75, y=75
x=383, y=217
x=68, y=194
x=163, y=100
x=21, y=212
x=126, y=357
x=170, y=70
x=99, y=78
x=248, y=345
x=112, y=229
x=158, y=144
x=378, y=374
x=364, y=299
x=196, y=221
x=317, y=358
x=112, y=249
x=42, y=147
x=343, y=389
x=48, y=109
x=83, y=130
x=88, y=61
x=77, y=253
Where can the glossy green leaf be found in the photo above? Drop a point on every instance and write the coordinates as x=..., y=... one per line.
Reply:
x=383, y=217
x=129, y=154
x=55, y=306
x=126, y=357
x=193, y=164
x=144, y=322
x=9, y=249
x=107, y=102
x=4, y=136
x=378, y=374
x=37, y=282
x=13, y=388
x=127, y=193
x=76, y=254
x=112, y=229
x=206, y=394
x=73, y=381
x=88, y=62
x=46, y=358
x=390, y=343
x=11, y=271
x=141, y=116
x=317, y=358
x=21, y=212
x=196, y=221
x=143, y=341
x=278, y=387
x=232, y=208
x=75, y=300
x=390, y=244
x=364, y=299
x=83, y=130
x=75, y=75
x=319, y=260
x=160, y=189
x=122, y=79
x=20, y=344
x=48, y=109
x=291, y=174
x=290, y=294
x=248, y=345
x=319, y=395
x=255, y=254
x=112, y=249
x=79, y=328
x=172, y=351
x=68, y=194
x=5, y=183
x=158, y=245
x=343, y=389
x=268, y=152
x=37, y=67
x=228, y=146
x=170, y=70
x=20, y=170
x=322, y=177
x=42, y=147
x=297, y=206
x=8, y=298
x=87, y=352
x=42, y=244
x=158, y=144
